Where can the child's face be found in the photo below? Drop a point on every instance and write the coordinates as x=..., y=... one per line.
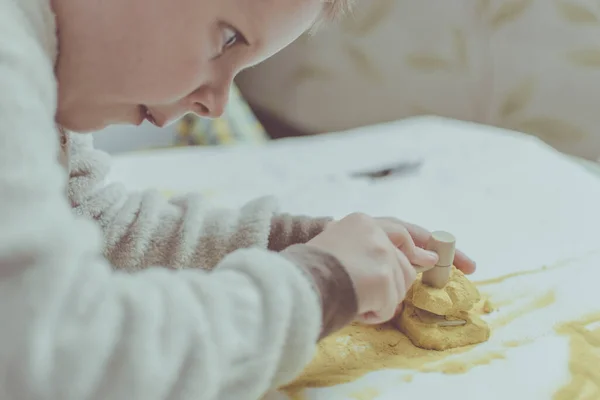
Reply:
x=119, y=58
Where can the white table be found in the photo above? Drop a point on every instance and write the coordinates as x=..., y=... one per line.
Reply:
x=513, y=203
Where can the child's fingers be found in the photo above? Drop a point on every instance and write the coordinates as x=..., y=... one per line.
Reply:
x=421, y=236
x=464, y=263
x=401, y=238
x=406, y=276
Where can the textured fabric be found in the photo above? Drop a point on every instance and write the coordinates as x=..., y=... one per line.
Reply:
x=75, y=329
x=287, y=230
x=145, y=228
x=517, y=64
x=237, y=125
x=338, y=297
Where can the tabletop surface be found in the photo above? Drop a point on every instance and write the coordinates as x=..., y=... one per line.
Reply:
x=513, y=203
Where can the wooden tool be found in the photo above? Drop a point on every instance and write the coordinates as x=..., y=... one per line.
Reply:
x=444, y=244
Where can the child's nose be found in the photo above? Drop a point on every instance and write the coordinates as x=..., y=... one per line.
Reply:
x=210, y=102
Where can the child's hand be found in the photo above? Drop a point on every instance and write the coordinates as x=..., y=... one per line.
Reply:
x=420, y=237
x=378, y=255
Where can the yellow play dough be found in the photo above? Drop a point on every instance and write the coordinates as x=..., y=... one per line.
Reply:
x=358, y=349
x=457, y=296
x=433, y=337
x=453, y=301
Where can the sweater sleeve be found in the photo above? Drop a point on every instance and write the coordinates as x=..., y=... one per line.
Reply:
x=144, y=228
x=73, y=329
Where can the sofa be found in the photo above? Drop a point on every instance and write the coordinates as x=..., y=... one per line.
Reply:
x=527, y=65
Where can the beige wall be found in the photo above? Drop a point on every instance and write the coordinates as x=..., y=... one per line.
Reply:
x=529, y=65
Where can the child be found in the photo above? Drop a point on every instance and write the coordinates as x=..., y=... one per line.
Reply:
x=75, y=328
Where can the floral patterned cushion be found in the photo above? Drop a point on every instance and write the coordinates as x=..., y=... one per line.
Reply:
x=528, y=65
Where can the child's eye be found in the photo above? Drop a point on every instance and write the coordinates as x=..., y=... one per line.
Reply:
x=230, y=37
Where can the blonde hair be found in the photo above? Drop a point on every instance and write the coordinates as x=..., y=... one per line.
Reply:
x=333, y=10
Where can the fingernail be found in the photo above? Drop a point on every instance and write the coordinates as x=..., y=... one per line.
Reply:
x=432, y=255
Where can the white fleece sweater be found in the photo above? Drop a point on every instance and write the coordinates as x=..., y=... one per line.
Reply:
x=73, y=328
x=143, y=229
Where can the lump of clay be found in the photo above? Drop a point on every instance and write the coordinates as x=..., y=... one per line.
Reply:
x=426, y=306
x=458, y=295
x=431, y=336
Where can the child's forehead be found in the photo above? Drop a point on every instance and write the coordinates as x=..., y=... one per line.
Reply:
x=269, y=8
x=276, y=17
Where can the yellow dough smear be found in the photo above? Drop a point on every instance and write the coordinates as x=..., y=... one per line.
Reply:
x=357, y=350
x=367, y=394
x=584, y=363
x=454, y=301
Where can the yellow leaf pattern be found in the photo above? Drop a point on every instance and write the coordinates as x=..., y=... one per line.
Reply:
x=517, y=99
x=551, y=129
x=362, y=62
x=375, y=14
x=585, y=58
x=483, y=6
x=420, y=110
x=576, y=13
x=308, y=72
x=453, y=58
x=508, y=11
x=460, y=48
x=427, y=62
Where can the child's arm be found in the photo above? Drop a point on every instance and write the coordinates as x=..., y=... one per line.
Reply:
x=144, y=228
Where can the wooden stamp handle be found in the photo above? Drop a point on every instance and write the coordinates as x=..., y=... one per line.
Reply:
x=444, y=244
